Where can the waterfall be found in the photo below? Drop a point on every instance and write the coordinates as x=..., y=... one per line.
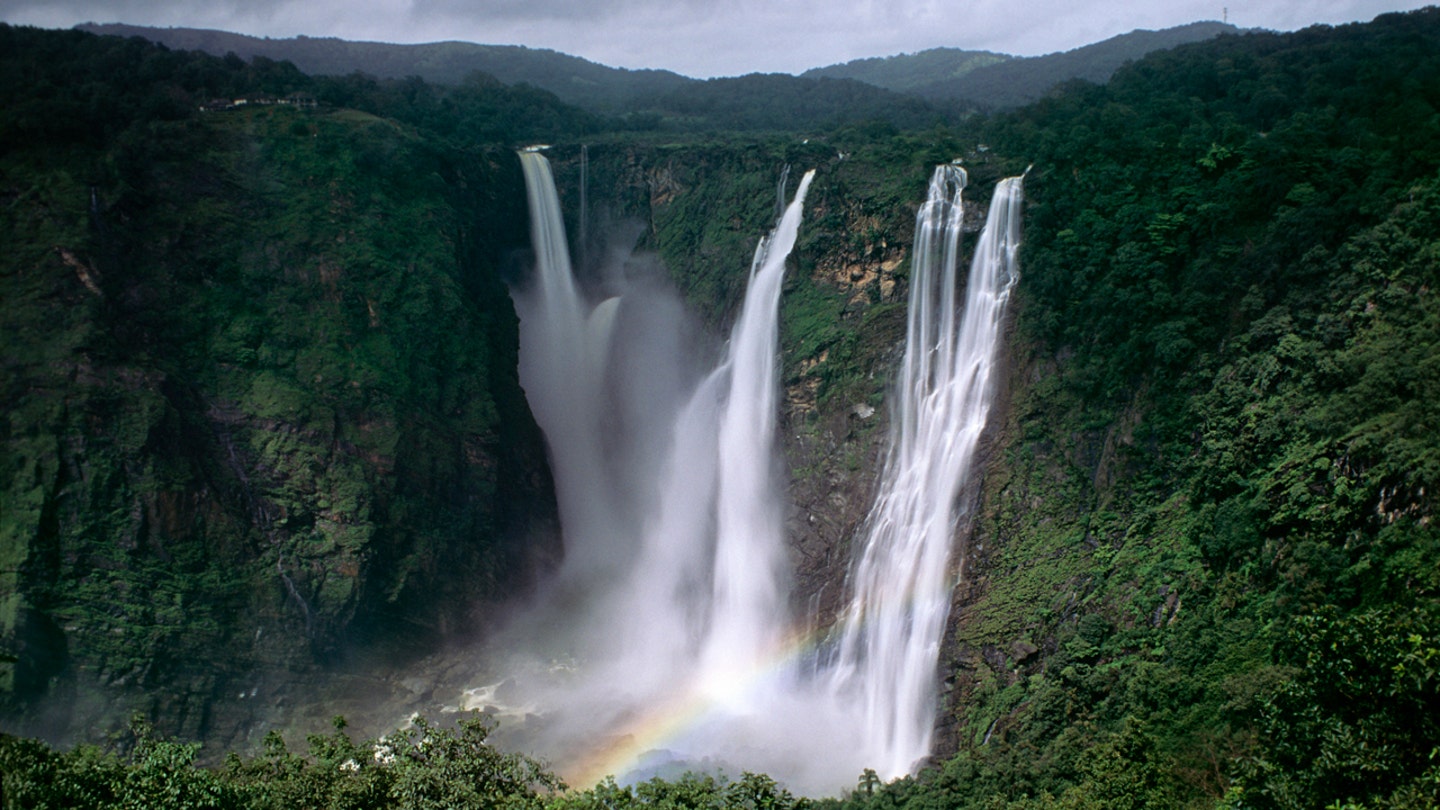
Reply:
x=710, y=578
x=671, y=603
x=584, y=197
x=902, y=580
x=780, y=191
x=749, y=595
x=674, y=583
x=564, y=351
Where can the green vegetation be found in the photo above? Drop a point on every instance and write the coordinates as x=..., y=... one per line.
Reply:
x=259, y=375
x=456, y=89
x=1018, y=81
x=1203, y=567
x=425, y=766
x=585, y=84
x=908, y=72
x=1208, y=574
x=777, y=102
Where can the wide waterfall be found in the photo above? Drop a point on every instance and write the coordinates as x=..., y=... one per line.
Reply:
x=665, y=641
x=903, y=580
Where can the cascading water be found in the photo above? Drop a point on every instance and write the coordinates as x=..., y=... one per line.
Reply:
x=674, y=585
x=674, y=575
x=749, y=574
x=564, y=350
x=902, y=580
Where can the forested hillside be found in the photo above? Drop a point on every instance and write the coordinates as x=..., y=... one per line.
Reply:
x=1206, y=564
x=906, y=72
x=577, y=81
x=1014, y=82
x=259, y=385
x=418, y=79
x=1203, y=572
x=1000, y=81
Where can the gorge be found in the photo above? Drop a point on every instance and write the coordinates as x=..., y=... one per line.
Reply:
x=274, y=446
x=685, y=610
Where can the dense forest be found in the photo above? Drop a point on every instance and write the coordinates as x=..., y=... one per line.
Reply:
x=1204, y=570
x=259, y=376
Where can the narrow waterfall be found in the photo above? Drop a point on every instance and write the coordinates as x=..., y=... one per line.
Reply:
x=748, y=612
x=584, y=219
x=674, y=585
x=564, y=350
x=903, y=578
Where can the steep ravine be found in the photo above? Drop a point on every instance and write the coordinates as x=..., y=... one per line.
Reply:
x=842, y=328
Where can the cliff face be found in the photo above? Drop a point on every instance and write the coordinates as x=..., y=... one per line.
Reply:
x=259, y=376
x=702, y=209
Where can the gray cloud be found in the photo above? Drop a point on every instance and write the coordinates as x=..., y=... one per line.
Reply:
x=707, y=37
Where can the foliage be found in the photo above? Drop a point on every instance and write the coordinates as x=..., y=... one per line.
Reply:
x=67, y=87
x=688, y=792
x=424, y=766
x=1221, y=449
x=259, y=375
x=789, y=103
x=1017, y=81
x=576, y=81
x=907, y=72
x=1353, y=726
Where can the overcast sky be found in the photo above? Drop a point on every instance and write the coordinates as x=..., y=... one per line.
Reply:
x=705, y=38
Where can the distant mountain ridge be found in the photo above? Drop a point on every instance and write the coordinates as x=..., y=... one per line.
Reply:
x=908, y=72
x=1000, y=80
x=574, y=80
x=939, y=75
x=1019, y=81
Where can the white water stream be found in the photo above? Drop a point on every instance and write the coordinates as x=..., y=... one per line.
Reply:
x=903, y=579
x=670, y=609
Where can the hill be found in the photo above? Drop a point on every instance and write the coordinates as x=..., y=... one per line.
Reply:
x=783, y=103
x=259, y=375
x=574, y=80
x=944, y=75
x=634, y=99
x=1018, y=81
x=909, y=72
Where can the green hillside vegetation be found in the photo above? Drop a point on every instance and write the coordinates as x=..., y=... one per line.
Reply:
x=1203, y=572
x=68, y=86
x=577, y=81
x=490, y=93
x=1210, y=566
x=777, y=102
x=259, y=375
x=1021, y=80
x=908, y=72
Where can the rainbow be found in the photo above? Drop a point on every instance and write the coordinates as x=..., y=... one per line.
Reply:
x=621, y=751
